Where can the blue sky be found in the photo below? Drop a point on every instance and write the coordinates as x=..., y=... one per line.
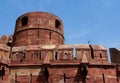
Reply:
x=97, y=21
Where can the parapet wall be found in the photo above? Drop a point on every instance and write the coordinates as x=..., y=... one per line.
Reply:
x=4, y=54
x=115, y=55
x=39, y=54
x=7, y=40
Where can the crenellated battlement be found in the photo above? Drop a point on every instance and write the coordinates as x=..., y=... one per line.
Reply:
x=4, y=54
x=7, y=40
x=39, y=53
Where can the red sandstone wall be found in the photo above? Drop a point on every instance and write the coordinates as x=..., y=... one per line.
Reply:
x=39, y=28
x=4, y=61
x=34, y=58
x=95, y=74
x=6, y=40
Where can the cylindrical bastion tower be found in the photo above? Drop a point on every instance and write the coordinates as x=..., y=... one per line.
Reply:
x=38, y=28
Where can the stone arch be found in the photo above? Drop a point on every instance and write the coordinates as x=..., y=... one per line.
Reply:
x=24, y=21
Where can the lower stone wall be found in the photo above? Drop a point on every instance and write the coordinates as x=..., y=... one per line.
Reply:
x=64, y=74
x=26, y=74
x=4, y=74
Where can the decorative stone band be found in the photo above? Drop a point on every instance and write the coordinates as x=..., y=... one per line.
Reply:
x=26, y=28
x=100, y=76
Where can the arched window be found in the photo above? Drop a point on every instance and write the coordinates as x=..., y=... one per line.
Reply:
x=24, y=21
x=57, y=23
x=56, y=55
x=65, y=56
x=92, y=51
x=100, y=55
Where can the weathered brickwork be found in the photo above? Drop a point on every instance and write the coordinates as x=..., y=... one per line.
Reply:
x=38, y=28
x=115, y=55
x=36, y=53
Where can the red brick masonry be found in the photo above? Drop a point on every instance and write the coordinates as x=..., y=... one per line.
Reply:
x=36, y=53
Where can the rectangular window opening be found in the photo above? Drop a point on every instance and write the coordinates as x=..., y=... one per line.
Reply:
x=100, y=55
x=40, y=56
x=56, y=55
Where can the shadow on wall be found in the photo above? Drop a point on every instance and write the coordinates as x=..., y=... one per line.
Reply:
x=81, y=74
x=43, y=76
